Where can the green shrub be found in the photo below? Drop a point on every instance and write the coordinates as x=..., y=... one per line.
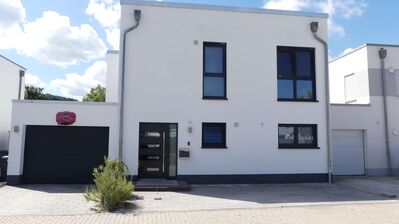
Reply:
x=112, y=189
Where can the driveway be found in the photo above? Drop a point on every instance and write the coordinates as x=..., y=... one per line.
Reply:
x=68, y=199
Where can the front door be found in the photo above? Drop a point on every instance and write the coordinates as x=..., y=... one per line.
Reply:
x=157, y=150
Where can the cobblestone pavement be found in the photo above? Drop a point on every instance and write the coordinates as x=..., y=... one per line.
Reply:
x=364, y=213
x=68, y=199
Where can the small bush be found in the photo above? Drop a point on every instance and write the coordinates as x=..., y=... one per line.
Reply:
x=112, y=189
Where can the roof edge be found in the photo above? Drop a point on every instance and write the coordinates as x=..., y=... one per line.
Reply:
x=362, y=46
x=348, y=53
x=9, y=60
x=221, y=8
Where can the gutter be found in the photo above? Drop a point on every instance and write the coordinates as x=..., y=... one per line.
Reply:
x=21, y=76
x=314, y=26
x=383, y=53
x=137, y=18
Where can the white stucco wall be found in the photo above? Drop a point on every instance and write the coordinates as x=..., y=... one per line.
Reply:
x=26, y=112
x=391, y=63
x=9, y=86
x=112, y=85
x=354, y=63
x=164, y=84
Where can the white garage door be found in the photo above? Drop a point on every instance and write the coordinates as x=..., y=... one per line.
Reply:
x=348, y=153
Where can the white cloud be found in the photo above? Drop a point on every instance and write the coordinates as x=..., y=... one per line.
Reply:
x=113, y=37
x=51, y=38
x=335, y=8
x=76, y=85
x=34, y=80
x=107, y=13
x=12, y=14
x=287, y=4
x=347, y=50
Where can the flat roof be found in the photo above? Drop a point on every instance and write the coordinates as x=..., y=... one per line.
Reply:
x=221, y=8
x=12, y=62
x=361, y=47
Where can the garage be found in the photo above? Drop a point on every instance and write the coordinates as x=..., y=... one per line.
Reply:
x=63, y=154
x=348, y=152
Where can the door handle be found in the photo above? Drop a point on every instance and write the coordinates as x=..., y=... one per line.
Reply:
x=163, y=151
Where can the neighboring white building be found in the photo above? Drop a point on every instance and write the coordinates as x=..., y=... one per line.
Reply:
x=357, y=111
x=12, y=87
x=212, y=94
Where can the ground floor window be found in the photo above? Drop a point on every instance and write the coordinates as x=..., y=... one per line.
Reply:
x=213, y=135
x=297, y=136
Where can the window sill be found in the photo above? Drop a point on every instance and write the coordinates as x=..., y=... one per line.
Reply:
x=296, y=147
x=214, y=147
x=289, y=100
x=214, y=98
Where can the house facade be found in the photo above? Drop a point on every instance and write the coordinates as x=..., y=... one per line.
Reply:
x=363, y=119
x=205, y=94
x=12, y=86
x=223, y=95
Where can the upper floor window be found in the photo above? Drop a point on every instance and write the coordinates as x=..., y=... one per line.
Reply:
x=214, y=80
x=296, y=74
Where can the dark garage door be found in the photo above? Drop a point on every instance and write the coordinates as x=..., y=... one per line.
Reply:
x=59, y=155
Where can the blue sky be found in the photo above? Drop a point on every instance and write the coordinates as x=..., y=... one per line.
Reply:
x=62, y=43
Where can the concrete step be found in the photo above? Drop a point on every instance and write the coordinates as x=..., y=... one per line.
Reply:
x=161, y=185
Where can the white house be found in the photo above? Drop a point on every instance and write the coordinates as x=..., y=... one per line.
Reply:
x=205, y=94
x=365, y=138
x=238, y=93
x=12, y=87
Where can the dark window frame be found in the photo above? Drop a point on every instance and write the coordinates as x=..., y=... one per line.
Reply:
x=214, y=146
x=208, y=74
x=296, y=145
x=294, y=78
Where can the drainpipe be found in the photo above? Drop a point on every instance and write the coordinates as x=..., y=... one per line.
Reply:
x=21, y=76
x=314, y=26
x=137, y=18
x=383, y=54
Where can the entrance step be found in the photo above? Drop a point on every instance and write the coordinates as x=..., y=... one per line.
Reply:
x=161, y=185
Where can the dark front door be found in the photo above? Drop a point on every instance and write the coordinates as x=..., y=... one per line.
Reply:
x=157, y=150
x=63, y=155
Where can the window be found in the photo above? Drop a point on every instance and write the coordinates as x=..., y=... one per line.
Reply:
x=296, y=74
x=297, y=136
x=350, y=88
x=214, y=80
x=214, y=135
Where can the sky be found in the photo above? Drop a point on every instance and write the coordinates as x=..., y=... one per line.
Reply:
x=63, y=43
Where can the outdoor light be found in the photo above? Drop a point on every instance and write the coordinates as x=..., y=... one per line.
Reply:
x=137, y=15
x=314, y=26
x=383, y=53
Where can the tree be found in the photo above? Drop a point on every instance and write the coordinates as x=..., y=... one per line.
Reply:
x=96, y=94
x=33, y=93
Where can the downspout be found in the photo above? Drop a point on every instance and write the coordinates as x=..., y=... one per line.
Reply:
x=137, y=18
x=21, y=76
x=314, y=26
x=383, y=53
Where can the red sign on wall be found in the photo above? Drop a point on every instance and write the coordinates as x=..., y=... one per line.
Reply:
x=65, y=118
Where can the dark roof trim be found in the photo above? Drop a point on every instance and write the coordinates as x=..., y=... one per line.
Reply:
x=13, y=62
x=221, y=8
